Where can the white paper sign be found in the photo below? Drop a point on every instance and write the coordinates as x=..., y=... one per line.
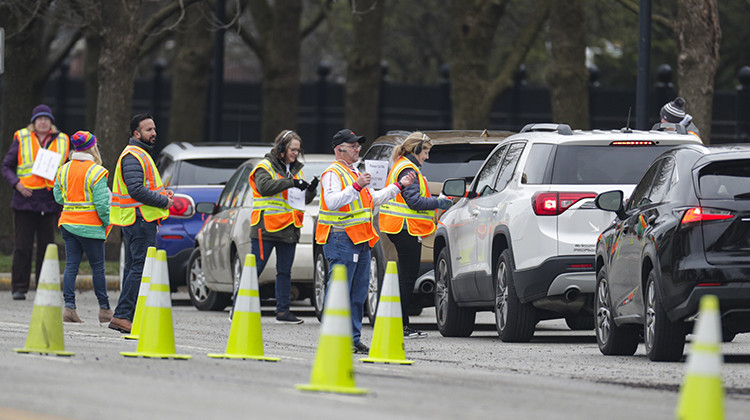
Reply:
x=46, y=164
x=296, y=198
x=378, y=170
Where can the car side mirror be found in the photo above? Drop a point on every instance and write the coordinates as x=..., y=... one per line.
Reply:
x=611, y=201
x=455, y=187
x=205, y=208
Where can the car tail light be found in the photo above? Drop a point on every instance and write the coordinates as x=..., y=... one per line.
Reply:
x=554, y=203
x=182, y=206
x=632, y=143
x=704, y=214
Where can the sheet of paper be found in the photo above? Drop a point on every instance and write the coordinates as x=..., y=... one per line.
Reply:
x=46, y=164
x=378, y=170
x=296, y=198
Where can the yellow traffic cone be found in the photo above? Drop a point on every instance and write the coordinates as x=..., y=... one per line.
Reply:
x=388, y=337
x=157, y=332
x=140, y=305
x=333, y=370
x=46, y=327
x=245, y=335
x=702, y=393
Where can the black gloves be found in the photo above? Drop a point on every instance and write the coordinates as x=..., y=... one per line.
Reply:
x=300, y=183
x=313, y=184
x=444, y=203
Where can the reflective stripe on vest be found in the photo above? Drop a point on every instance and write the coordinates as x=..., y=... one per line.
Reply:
x=395, y=211
x=77, y=179
x=355, y=217
x=277, y=213
x=122, y=210
x=28, y=147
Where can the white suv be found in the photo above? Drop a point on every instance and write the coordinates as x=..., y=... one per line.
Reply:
x=521, y=241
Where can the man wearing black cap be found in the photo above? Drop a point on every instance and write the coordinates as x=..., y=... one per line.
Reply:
x=35, y=210
x=674, y=112
x=345, y=226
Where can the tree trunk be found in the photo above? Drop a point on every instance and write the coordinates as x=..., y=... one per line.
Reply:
x=91, y=78
x=280, y=91
x=567, y=76
x=363, y=72
x=190, y=83
x=699, y=37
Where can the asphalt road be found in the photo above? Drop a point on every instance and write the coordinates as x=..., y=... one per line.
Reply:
x=560, y=374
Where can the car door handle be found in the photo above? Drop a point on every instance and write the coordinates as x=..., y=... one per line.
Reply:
x=651, y=219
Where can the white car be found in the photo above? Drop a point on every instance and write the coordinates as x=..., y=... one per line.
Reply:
x=215, y=265
x=521, y=239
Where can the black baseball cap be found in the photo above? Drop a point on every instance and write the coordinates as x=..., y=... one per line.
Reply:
x=347, y=136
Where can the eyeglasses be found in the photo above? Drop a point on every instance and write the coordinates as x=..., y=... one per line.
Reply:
x=294, y=150
x=355, y=147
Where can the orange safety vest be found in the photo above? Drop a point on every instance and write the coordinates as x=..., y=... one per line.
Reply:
x=123, y=208
x=277, y=213
x=28, y=147
x=355, y=218
x=395, y=211
x=77, y=179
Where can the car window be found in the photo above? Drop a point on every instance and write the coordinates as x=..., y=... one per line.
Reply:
x=243, y=187
x=509, y=165
x=166, y=166
x=725, y=179
x=662, y=181
x=486, y=176
x=537, y=164
x=577, y=164
x=206, y=171
x=461, y=160
x=639, y=197
x=225, y=199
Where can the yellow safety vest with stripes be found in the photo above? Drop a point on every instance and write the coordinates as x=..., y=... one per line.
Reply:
x=122, y=210
x=77, y=179
x=396, y=211
x=28, y=147
x=277, y=213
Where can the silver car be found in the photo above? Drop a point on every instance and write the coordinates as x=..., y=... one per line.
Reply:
x=215, y=265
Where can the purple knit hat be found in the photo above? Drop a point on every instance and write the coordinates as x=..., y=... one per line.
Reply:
x=40, y=110
x=82, y=140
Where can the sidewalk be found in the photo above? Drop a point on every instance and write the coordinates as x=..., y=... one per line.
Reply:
x=83, y=282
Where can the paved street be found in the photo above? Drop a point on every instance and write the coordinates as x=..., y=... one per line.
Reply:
x=559, y=375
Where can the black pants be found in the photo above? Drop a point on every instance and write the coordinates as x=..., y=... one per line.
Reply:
x=29, y=225
x=409, y=251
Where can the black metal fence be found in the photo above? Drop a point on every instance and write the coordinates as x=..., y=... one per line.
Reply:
x=403, y=107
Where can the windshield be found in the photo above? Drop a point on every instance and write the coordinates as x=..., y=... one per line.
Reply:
x=455, y=161
x=576, y=164
x=206, y=171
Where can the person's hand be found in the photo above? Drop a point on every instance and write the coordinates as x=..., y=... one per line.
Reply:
x=364, y=180
x=300, y=183
x=313, y=184
x=170, y=193
x=408, y=179
x=444, y=203
x=26, y=192
x=170, y=201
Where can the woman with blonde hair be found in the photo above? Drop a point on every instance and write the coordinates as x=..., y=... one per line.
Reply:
x=81, y=187
x=409, y=217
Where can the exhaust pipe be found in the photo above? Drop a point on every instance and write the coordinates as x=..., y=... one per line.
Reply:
x=427, y=287
x=571, y=294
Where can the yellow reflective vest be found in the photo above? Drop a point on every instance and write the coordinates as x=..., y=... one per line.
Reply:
x=122, y=211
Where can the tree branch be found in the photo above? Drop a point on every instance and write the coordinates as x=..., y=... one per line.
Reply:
x=56, y=57
x=262, y=15
x=323, y=9
x=658, y=19
x=159, y=17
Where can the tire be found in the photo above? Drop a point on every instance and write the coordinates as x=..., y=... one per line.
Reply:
x=515, y=321
x=664, y=339
x=320, y=282
x=613, y=340
x=580, y=322
x=377, y=271
x=452, y=320
x=203, y=298
x=237, y=267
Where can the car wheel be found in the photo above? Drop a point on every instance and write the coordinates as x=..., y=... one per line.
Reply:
x=515, y=321
x=613, y=340
x=580, y=322
x=377, y=270
x=201, y=296
x=664, y=339
x=452, y=320
x=320, y=282
x=236, y=273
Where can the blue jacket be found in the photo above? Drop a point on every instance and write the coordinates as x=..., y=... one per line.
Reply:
x=411, y=192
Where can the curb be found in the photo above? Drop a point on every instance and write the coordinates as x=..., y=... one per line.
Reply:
x=83, y=282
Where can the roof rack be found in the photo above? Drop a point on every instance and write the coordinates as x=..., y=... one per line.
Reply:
x=679, y=128
x=563, y=129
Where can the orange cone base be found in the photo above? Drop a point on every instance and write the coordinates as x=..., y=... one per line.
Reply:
x=379, y=360
x=332, y=388
x=243, y=356
x=45, y=351
x=156, y=355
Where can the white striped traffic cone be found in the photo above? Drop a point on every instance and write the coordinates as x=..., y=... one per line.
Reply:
x=140, y=306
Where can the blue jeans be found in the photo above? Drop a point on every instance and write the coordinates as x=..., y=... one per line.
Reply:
x=138, y=237
x=75, y=247
x=284, y=260
x=339, y=249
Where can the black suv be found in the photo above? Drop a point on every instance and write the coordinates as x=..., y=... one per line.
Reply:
x=684, y=233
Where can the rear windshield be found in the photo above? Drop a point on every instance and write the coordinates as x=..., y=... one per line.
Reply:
x=603, y=164
x=727, y=179
x=206, y=171
x=455, y=161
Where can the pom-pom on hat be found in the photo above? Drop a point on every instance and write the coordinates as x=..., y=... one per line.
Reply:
x=82, y=140
x=42, y=110
x=673, y=112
